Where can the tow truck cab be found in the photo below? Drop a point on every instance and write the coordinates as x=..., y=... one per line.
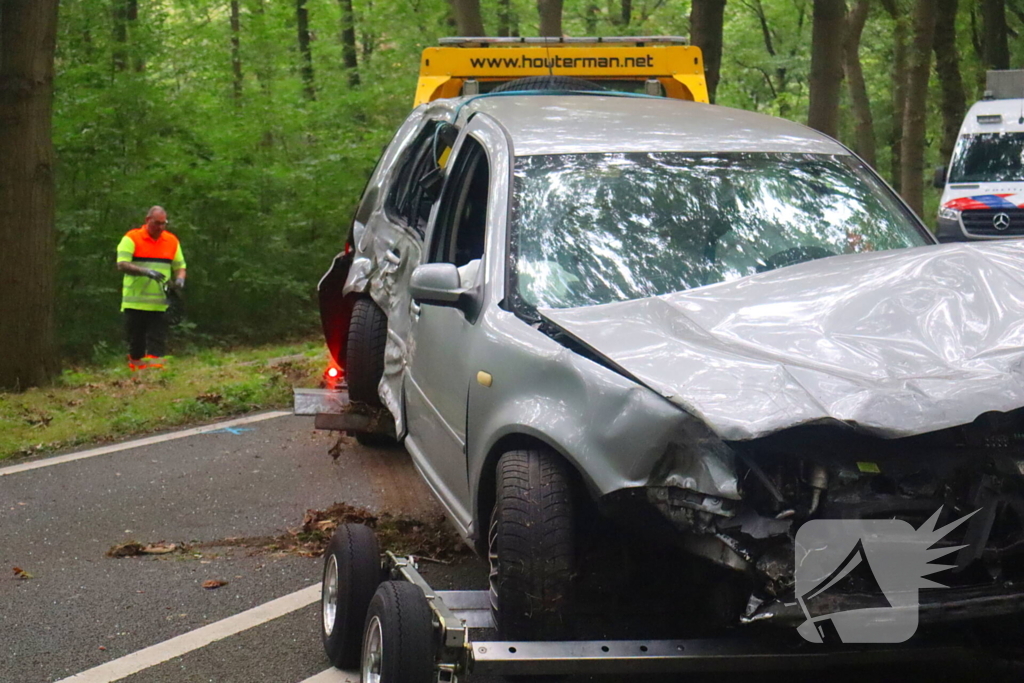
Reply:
x=983, y=187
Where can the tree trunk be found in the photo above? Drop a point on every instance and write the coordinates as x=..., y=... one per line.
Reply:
x=915, y=109
x=369, y=40
x=947, y=65
x=994, y=40
x=826, y=79
x=236, y=51
x=468, y=21
x=28, y=35
x=348, y=42
x=627, y=12
x=302, y=26
x=706, y=20
x=504, y=18
x=550, y=17
x=865, y=126
x=899, y=89
x=125, y=13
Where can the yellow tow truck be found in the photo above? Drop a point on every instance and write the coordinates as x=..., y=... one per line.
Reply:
x=654, y=65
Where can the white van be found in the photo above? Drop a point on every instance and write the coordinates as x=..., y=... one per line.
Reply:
x=983, y=191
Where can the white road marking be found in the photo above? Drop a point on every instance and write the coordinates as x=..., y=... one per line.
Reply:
x=138, y=443
x=334, y=676
x=193, y=640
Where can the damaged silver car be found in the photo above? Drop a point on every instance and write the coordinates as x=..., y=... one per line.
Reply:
x=701, y=326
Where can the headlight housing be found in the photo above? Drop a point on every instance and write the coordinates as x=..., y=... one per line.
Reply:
x=949, y=214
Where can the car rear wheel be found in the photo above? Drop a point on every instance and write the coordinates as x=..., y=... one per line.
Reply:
x=364, y=357
x=532, y=545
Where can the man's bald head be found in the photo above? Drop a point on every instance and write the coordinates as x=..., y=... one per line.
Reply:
x=156, y=221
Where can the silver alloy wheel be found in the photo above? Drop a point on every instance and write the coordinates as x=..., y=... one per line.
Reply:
x=329, y=599
x=373, y=652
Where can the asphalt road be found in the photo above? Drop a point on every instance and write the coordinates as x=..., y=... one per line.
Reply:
x=82, y=609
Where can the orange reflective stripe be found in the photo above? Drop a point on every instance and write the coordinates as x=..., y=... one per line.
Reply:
x=164, y=248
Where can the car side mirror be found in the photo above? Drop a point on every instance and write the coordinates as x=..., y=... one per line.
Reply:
x=437, y=284
x=940, y=178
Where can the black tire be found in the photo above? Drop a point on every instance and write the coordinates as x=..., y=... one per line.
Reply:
x=549, y=83
x=401, y=613
x=356, y=559
x=532, y=546
x=364, y=355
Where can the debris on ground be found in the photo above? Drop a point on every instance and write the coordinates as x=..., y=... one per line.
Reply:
x=213, y=583
x=134, y=549
x=431, y=540
x=20, y=573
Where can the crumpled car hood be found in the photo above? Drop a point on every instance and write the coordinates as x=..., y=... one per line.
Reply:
x=893, y=343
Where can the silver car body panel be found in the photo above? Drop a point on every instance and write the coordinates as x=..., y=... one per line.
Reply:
x=567, y=124
x=894, y=343
x=747, y=341
x=385, y=255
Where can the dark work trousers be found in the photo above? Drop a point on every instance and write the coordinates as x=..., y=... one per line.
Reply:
x=147, y=332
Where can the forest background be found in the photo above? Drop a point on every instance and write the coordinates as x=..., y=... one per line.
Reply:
x=256, y=122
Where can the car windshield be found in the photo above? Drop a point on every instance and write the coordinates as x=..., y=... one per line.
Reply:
x=596, y=228
x=988, y=158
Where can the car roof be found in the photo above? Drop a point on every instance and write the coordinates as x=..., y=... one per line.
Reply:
x=570, y=123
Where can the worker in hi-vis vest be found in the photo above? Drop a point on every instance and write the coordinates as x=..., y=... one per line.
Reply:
x=148, y=256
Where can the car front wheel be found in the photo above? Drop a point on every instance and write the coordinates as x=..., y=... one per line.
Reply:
x=532, y=545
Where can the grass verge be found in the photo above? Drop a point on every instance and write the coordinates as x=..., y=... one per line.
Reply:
x=104, y=403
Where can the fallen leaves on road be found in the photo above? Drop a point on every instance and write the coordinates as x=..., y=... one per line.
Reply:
x=431, y=539
x=214, y=583
x=20, y=573
x=134, y=549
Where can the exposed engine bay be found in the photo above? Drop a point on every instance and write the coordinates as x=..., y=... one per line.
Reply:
x=832, y=472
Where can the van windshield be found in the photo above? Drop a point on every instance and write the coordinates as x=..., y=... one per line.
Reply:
x=988, y=158
x=596, y=228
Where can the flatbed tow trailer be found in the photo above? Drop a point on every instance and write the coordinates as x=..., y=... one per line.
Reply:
x=356, y=635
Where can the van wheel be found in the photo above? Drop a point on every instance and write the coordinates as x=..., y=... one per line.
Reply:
x=532, y=545
x=364, y=356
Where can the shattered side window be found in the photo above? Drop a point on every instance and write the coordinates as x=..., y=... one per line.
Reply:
x=595, y=228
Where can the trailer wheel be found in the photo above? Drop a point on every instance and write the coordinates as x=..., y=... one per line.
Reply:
x=352, y=573
x=364, y=354
x=398, y=641
x=532, y=545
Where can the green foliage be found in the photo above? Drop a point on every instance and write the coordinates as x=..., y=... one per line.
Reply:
x=106, y=401
x=261, y=189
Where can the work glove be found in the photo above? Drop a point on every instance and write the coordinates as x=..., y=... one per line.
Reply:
x=179, y=283
x=154, y=275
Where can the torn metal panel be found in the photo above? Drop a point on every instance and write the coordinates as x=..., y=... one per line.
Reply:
x=894, y=344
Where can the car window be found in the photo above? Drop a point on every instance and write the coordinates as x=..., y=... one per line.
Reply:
x=595, y=228
x=462, y=214
x=408, y=202
x=988, y=158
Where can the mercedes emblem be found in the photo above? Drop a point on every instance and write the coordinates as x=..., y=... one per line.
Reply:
x=1001, y=221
